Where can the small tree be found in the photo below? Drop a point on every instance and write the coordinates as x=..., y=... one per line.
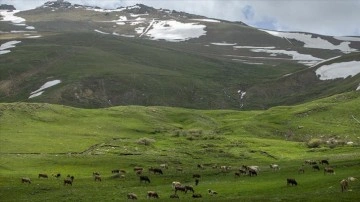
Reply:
x=314, y=143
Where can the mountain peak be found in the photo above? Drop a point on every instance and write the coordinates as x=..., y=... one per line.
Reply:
x=7, y=7
x=57, y=4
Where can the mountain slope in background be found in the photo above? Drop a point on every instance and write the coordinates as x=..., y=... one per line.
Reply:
x=91, y=57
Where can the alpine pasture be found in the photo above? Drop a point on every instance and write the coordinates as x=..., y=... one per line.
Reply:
x=52, y=139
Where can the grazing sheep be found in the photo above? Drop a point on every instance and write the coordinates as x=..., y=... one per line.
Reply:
x=115, y=171
x=132, y=196
x=274, y=167
x=212, y=192
x=196, y=196
x=25, y=180
x=352, y=179
x=97, y=178
x=225, y=168
x=155, y=170
x=152, y=194
x=324, y=162
x=180, y=188
x=329, y=170
x=68, y=181
x=291, y=182
x=175, y=183
x=57, y=175
x=344, y=185
x=252, y=172
x=41, y=175
x=316, y=167
x=145, y=179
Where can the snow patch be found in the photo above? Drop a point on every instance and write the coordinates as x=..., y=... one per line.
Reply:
x=137, y=15
x=101, y=32
x=206, y=20
x=294, y=54
x=105, y=10
x=224, y=44
x=255, y=47
x=45, y=86
x=310, y=42
x=358, y=88
x=36, y=94
x=33, y=37
x=9, y=16
x=338, y=70
x=174, y=31
x=7, y=45
x=347, y=38
x=30, y=27
x=127, y=35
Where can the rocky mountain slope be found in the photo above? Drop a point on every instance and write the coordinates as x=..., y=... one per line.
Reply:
x=92, y=57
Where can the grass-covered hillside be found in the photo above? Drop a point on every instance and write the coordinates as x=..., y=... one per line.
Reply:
x=51, y=139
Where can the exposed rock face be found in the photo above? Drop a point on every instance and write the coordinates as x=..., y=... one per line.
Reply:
x=7, y=7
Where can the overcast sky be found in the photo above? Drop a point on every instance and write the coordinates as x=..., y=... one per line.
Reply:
x=327, y=17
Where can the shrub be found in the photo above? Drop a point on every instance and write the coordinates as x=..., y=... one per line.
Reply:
x=314, y=143
x=145, y=141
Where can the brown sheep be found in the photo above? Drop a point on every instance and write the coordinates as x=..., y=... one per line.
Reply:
x=25, y=180
x=344, y=185
x=152, y=194
x=42, y=175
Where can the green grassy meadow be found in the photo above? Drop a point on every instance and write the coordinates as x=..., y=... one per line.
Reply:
x=45, y=138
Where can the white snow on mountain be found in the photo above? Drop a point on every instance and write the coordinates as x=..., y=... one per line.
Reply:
x=7, y=45
x=358, y=88
x=9, y=16
x=302, y=58
x=311, y=42
x=224, y=44
x=36, y=94
x=206, y=20
x=137, y=15
x=43, y=87
x=174, y=31
x=347, y=38
x=101, y=32
x=254, y=47
x=338, y=70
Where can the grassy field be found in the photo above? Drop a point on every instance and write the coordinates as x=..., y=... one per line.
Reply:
x=45, y=138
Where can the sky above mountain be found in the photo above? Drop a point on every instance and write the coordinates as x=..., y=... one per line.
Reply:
x=335, y=17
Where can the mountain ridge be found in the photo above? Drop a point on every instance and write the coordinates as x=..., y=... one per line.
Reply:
x=162, y=57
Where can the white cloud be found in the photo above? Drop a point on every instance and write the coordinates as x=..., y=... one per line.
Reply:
x=336, y=17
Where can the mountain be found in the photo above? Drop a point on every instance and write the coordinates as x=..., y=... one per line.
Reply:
x=7, y=7
x=91, y=57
